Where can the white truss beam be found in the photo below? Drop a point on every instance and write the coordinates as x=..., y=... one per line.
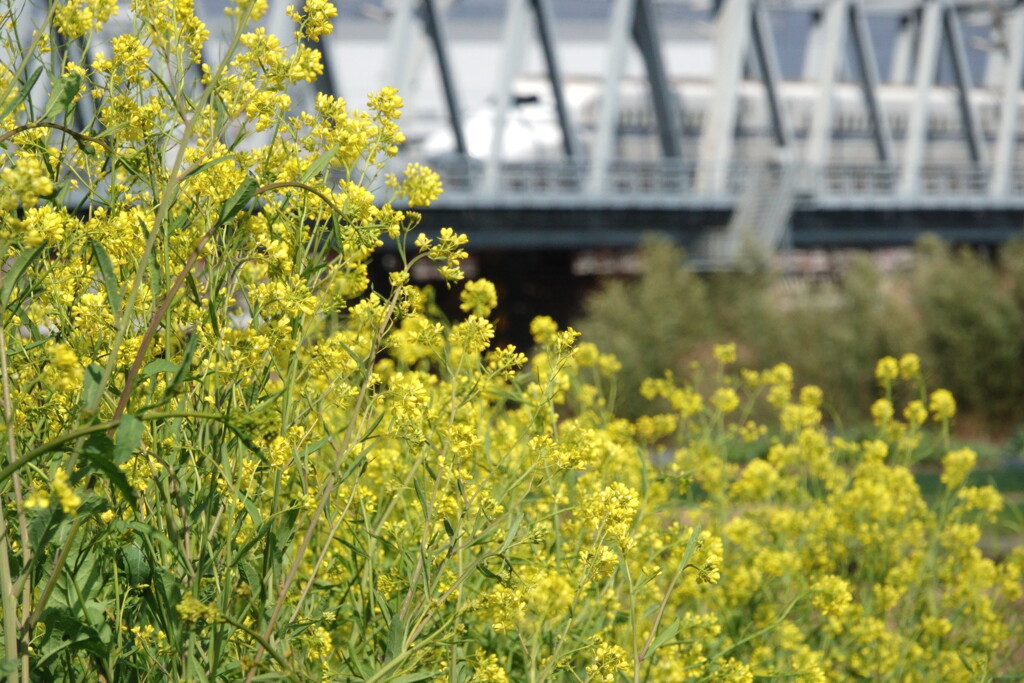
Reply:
x=732, y=30
x=904, y=49
x=832, y=49
x=1006, y=137
x=405, y=40
x=604, y=141
x=814, y=48
x=924, y=79
x=511, y=58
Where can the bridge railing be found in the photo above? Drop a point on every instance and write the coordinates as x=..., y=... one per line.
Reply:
x=676, y=178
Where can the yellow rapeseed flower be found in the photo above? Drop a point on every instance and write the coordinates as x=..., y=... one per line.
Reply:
x=420, y=185
x=609, y=661
x=887, y=369
x=956, y=465
x=191, y=610
x=725, y=400
x=910, y=366
x=724, y=353
x=812, y=396
x=69, y=500
x=942, y=404
x=882, y=411
x=478, y=297
x=915, y=413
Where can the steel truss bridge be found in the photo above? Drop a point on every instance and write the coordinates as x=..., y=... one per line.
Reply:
x=840, y=154
x=799, y=187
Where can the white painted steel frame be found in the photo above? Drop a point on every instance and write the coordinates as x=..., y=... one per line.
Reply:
x=924, y=79
x=1006, y=137
x=732, y=29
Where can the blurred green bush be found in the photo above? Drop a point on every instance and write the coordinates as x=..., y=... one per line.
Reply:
x=963, y=313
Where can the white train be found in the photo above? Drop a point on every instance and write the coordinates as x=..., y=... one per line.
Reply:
x=533, y=133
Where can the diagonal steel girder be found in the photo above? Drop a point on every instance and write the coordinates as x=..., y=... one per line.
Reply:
x=962, y=76
x=666, y=107
x=434, y=21
x=546, y=31
x=768, y=63
x=868, y=67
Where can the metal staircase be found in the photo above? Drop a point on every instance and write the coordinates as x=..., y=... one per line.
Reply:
x=760, y=220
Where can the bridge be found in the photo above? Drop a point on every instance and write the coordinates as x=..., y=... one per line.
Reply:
x=852, y=150
x=876, y=121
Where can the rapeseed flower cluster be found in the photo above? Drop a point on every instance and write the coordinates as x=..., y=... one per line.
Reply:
x=232, y=453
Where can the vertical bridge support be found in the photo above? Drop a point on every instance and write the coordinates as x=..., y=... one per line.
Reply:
x=514, y=42
x=1006, y=138
x=868, y=68
x=636, y=16
x=714, y=150
x=833, y=46
x=924, y=77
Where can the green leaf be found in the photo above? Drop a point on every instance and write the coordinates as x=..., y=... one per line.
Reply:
x=419, y=494
x=220, y=111
x=99, y=453
x=316, y=446
x=91, y=386
x=64, y=625
x=691, y=545
x=14, y=273
x=211, y=306
x=510, y=535
x=396, y=639
x=9, y=666
x=109, y=279
x=664, y=636
x=92, y=504
x=239, y=200
x=317, y=167
x=23, y=93
x=106, y=132
x=186, y=365
x=64, y=92
x=177, y=224
x=42, y=525
x=385, y=609
x=254, y=512
x=202, y=167
x=129, y=435
x=159, y=365
x=487, y=572
x=413, y=678
x=251, y=576
x=135, y=565
x=244, y=438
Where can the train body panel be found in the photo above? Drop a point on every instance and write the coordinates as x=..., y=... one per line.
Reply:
x=533, y=132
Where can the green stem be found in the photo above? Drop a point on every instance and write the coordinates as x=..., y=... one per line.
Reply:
x=54, y=444
x=26, y=546
x=385, y=672
x=58, y=565
x=264, y=643
x=10, y=620
x=47, y=124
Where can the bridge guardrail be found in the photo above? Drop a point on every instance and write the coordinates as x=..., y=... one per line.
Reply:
x=675, y=178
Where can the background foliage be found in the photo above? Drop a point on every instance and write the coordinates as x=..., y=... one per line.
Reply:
x=961, y=312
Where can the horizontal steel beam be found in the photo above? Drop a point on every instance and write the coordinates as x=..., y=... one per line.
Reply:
x=893, y=6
